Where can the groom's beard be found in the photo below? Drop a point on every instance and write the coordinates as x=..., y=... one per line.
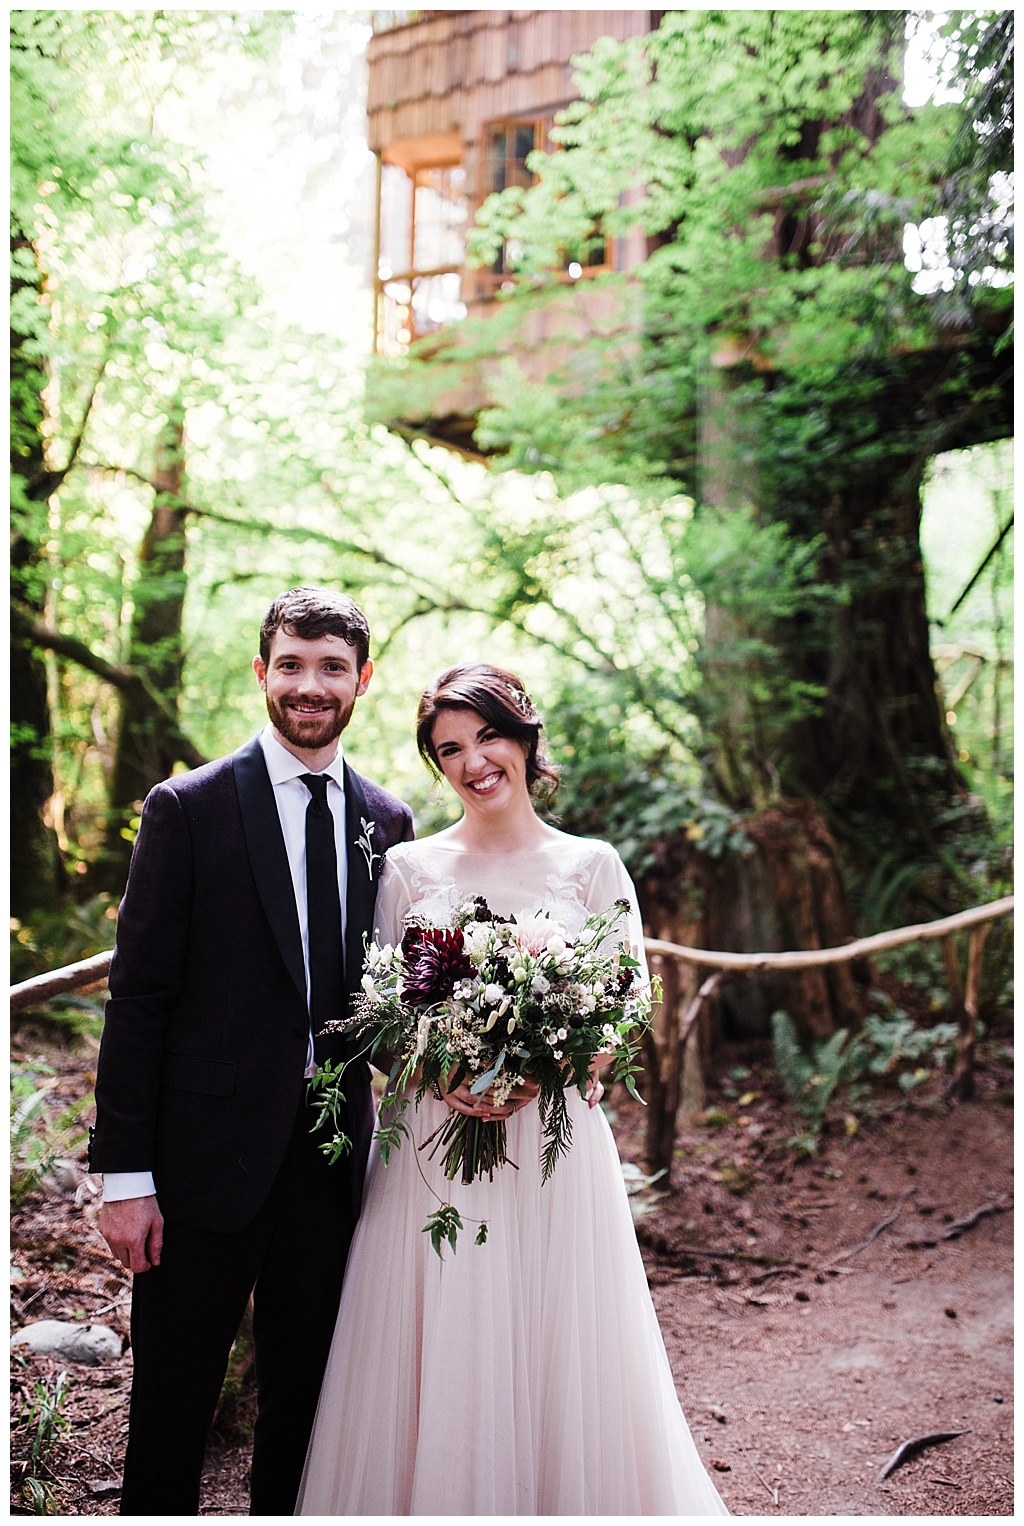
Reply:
x=311, y=732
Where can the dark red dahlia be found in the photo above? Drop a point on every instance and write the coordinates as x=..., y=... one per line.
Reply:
x=435, y=958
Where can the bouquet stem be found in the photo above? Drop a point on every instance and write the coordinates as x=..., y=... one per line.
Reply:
x=472, y=1146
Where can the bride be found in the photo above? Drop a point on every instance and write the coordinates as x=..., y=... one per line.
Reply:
x=526, y=1376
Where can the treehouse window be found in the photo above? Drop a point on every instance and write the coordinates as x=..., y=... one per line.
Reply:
x=423, y=213
x=507, y=147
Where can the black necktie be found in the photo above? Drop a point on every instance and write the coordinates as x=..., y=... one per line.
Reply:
x=323, y=912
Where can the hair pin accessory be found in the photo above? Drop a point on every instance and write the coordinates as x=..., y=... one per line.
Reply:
x=522, y=702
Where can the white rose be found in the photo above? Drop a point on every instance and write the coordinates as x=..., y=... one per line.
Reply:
x=540, y=985
x=475, y=938
x=493, y=994
x=556, y=946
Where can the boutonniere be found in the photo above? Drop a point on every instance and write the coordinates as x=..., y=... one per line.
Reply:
x=365, y=846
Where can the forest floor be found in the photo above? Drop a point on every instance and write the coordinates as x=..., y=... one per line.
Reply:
x=818, y=1311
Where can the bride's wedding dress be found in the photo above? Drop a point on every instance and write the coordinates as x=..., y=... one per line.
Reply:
x=526, y=1376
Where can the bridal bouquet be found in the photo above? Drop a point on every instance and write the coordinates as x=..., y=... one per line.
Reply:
x=489, y=1000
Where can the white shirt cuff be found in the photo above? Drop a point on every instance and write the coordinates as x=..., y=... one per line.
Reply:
x=119, y=1185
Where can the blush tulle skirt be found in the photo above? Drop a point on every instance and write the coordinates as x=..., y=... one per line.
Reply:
x=526, y=1376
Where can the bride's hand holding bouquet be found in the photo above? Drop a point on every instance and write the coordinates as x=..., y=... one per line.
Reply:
x=495, y=1011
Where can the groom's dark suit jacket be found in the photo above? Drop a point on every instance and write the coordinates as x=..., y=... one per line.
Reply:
x=204, y=1045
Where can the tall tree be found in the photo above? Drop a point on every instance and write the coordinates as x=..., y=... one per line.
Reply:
x=148, y=743
x=788, y=363
x=48, y=152
x=120, y=301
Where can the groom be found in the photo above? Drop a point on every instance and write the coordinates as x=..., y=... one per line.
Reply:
x=252, y=883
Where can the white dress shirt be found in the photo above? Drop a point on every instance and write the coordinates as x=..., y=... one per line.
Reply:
x=291, y=797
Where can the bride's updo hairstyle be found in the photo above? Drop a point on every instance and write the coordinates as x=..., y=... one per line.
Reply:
x=502, y=701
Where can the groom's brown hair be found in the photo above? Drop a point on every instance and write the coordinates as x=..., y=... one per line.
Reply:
x=313, y=612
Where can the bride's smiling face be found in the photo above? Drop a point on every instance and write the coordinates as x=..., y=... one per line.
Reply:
x=485, y=769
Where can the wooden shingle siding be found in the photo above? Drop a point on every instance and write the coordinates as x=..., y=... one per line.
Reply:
x=436, y=88
x=443, y=73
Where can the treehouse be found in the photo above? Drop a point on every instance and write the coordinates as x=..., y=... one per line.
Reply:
x=457, y=101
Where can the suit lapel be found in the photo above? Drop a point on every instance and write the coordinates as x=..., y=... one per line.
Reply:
x=363, y=868
x=268, y=857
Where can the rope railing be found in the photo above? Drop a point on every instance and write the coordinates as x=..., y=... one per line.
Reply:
x=92, y=972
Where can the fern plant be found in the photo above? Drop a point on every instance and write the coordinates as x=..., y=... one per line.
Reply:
x=885, y=1050
x=810, y=1079
x=39, y=1138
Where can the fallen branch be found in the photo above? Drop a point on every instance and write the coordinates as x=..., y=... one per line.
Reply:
x=961, y=1226
x=847, y=1255
x=711, y=1254
x=908, y=1449
x=71, y=1441
x=771, y=1489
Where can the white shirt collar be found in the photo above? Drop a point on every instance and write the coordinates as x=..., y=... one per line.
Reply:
x=283, y=765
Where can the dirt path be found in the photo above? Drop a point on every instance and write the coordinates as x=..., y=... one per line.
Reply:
x=812, y=1379
x=798, y=1383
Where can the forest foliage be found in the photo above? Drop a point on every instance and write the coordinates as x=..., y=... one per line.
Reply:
x=180, y=454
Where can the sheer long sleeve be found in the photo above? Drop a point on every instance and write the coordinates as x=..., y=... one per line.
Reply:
x=394, y=897
x=609, y=882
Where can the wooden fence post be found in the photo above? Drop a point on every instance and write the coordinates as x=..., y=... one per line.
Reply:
x=663, y=1055
x=961, y=1085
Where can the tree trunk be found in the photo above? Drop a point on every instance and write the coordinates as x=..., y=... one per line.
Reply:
x=879, y=746
x=37, y=873
x=877, y=756
x=787, y=894
x=146, y=744
x=844, y=456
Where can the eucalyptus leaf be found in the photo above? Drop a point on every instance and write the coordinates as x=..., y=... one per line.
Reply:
x=489, y=1077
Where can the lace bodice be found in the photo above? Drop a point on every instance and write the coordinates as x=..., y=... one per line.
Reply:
x=566, y=878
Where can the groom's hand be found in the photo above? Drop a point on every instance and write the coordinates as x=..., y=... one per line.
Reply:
x=134, y=1230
